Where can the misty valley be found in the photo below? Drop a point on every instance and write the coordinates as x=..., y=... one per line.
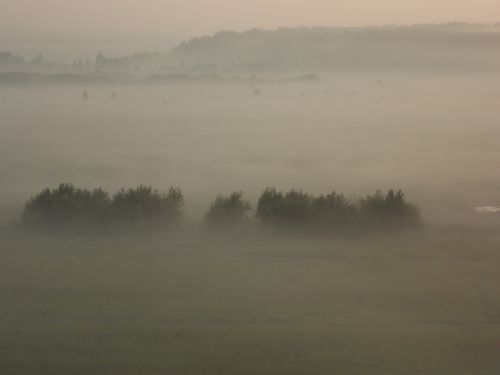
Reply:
x=237, y=207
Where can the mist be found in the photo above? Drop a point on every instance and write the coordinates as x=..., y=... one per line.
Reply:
x=302, y=200
x=433, y=136
x=56, y=22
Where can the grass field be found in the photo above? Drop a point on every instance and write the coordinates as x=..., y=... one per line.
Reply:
x=414, y=303
x=256, y=303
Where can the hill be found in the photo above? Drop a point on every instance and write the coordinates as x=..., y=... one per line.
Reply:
x=454, y=46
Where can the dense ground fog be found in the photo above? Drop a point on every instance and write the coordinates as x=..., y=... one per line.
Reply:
x=196, y=300
x=434, y=136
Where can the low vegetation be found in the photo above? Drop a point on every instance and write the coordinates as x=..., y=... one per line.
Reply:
x=334, y=212
x=388, y=211
x=230, y=210
x=69, y=206
x=145, y=205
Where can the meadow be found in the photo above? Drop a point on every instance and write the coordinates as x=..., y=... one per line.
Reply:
x=432, y=135
x=251, y=303
x=253, y=300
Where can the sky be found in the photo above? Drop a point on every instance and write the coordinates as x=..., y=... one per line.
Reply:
x=156, y=23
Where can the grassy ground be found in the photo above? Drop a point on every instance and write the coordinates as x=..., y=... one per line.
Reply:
x=416, y=303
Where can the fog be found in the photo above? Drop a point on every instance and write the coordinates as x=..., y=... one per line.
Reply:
x=432, y=135
x=216, y=245
x=83, y=23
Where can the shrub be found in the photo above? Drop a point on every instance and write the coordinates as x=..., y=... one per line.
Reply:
x=293, y=207
x=296, y=207
x=389, y=211
x=67, y=205
x=143, y=204
x=228, y=210
x=269, y=204
x=334, y=211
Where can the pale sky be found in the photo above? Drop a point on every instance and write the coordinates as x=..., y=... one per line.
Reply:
x=32, y=22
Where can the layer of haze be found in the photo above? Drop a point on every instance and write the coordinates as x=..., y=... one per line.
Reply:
x=434, y=136
x=149, y=23
x=404, y=108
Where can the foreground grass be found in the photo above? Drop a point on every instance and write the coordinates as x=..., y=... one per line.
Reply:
x=412, y=303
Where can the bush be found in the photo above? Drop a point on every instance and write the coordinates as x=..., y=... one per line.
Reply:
x=293, y=207
x=143, y=204
x=333, y=212
x=298, y=208
x=66, y=205
x=269, y=205
x=389, y=211
x=228, y=210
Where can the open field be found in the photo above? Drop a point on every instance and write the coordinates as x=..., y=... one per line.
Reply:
x=193, y=302
x=433, y=135
x=245, y=303
x=234, y=187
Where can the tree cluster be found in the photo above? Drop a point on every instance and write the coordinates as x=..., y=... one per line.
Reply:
x=68, y=206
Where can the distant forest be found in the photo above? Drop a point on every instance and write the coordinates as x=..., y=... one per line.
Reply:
x=449, y=47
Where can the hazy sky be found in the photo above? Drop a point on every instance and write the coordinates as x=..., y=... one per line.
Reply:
x=32, y=22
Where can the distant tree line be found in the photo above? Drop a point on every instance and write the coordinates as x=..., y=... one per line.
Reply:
x=452, y=46
x=70, y=207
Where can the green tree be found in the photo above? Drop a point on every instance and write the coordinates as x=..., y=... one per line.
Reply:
x=228, y=210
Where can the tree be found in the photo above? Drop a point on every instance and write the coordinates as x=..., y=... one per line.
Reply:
x=390, y=210
x=269, y=204
x=228, y=210
x=275, y=206
x=334, y=211
x=143, y=204
x=66, y=205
